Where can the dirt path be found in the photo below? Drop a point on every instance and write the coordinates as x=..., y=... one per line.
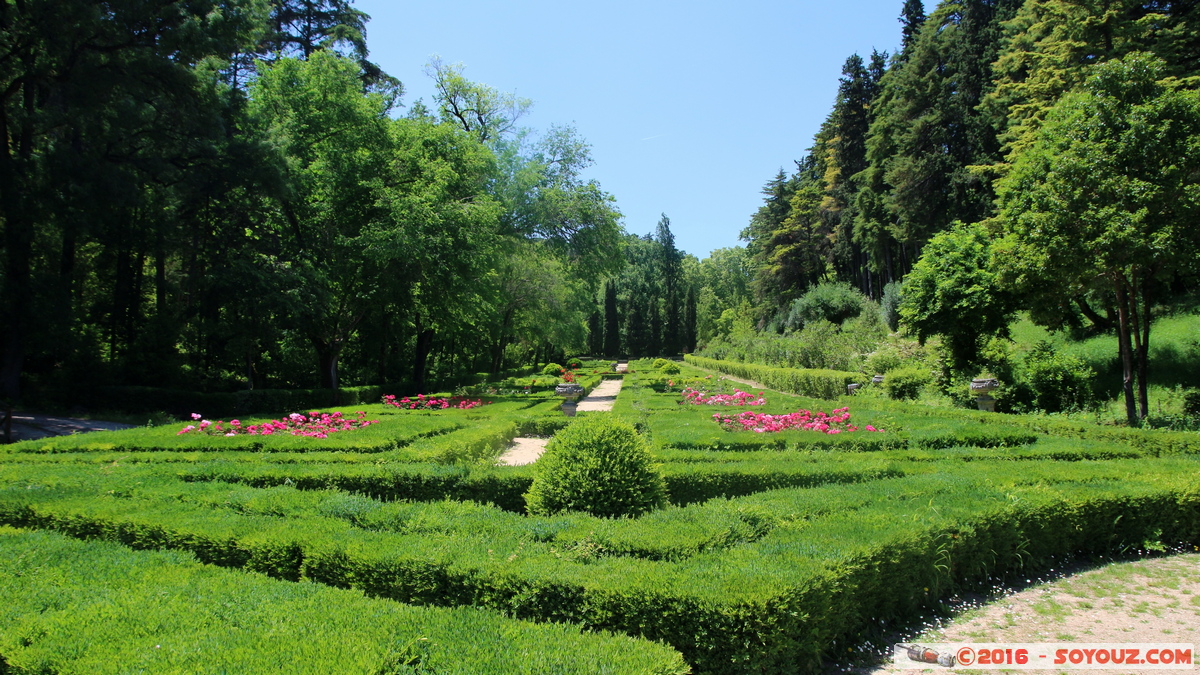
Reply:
x=603, y=397
x=528, y=450
x=731, y=378
x=28, y=426
x=1150, y=600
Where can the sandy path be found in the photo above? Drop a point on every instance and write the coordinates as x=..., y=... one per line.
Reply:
x=603, y=397
x=1150, y=600
x=731, y=378
x=524, y=451
x=28, y=427
x=527, y=450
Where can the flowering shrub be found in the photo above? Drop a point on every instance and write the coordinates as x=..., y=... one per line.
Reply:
x=835, y=423
x=314, y=424
x=423, y=402
x=568, y=376
x=738, y=398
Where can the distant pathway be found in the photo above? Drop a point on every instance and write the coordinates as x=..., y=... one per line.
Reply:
x=603, y=397
x=29, y=427
x=731, y=378
x=527, y=450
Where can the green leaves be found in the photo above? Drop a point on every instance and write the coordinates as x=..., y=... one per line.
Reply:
x=953, y=291
x=600, y=466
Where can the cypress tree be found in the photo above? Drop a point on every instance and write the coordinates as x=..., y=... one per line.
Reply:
x=612, y=323
x=689, y=321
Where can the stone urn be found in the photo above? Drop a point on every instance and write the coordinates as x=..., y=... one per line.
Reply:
x=878, y=379
x=569, y=391
x=982, y=388
x=852, y=387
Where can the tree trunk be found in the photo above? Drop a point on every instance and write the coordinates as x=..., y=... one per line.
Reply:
x=421, y=356
x=1143, y=355
x=1126, y=352
x=328, y=352
x=15, y=295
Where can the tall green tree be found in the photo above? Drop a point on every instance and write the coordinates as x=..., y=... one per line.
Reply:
x=612, y=321
x=1050, y=44
x=954, y=291
x=912, y=17
x=1107, y=194
x=76, y=78
x=670, y=273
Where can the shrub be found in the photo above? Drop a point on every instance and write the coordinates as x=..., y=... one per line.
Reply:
x=1059, y=381
x=884, y=359
x=552, y=369
x=889, y=305
x=1191, y=403
x=833, y=302
x=906, y=383
x=667, y=367
x=574, y=363
x=599, y=465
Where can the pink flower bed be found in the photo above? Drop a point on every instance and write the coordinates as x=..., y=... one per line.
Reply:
x=314, y=425
x=423, y=402
x=738, y=398
x=835, y=423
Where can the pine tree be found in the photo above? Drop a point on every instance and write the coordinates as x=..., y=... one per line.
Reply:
x=912, y=17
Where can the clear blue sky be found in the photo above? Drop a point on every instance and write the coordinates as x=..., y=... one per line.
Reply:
x=690, y=107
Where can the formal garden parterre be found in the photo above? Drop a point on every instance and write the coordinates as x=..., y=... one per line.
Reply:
x=776, y=550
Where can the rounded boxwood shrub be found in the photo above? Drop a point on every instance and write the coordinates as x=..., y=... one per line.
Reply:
x=599, y=465
x=574, y=363
x=552, y=369
x=906, y=383
x=666, y=366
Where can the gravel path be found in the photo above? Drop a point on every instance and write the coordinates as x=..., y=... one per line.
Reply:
x=28, y=427
x=527, y=450
x=1149, y=600
x=603, y=397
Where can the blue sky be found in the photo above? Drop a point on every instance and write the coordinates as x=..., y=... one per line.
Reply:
x=689, y=107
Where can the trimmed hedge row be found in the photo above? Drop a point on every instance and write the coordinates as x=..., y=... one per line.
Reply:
x=446, y=436
x=810, y=566
x=96, y=607
x=687, y=483
x=824, y=384
x=183, y=402
x=1153, y=442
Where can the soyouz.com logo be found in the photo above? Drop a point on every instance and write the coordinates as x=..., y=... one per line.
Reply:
x=1037, y=656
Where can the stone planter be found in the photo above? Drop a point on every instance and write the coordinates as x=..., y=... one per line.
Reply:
x=571, y=392
x=982, y=388
x=878, y=379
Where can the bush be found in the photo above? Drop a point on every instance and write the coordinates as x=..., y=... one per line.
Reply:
x=1059, y=381
x=889, y=305
x=883, y=360
x=1191, y=403
x=666, y=367
x=574, y=363
x=832, y=302
x=812, y=382
x=552, y=369
x=598, y=465
x=906, y=383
